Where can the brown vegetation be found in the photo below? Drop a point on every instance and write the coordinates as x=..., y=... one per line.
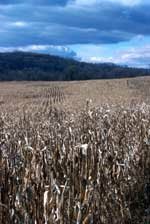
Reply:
x=78, y=165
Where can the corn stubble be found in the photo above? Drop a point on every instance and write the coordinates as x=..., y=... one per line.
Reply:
x=90, y=167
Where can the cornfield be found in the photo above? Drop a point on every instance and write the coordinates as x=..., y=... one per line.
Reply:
x=90, y=167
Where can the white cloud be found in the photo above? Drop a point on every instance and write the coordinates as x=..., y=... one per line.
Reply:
x=100, y=59
x=137, y=57
x=62, y=51
x=123, y=2
x=86, y=2
x=19, y=24
x=127, y=2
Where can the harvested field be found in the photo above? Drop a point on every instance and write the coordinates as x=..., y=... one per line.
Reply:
x=73, y=95
x=66, y=160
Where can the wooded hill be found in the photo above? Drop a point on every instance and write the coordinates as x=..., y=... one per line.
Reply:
x=32, y=66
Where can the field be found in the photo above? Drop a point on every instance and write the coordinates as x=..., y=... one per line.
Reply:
x=73, y=95
x=75, y=152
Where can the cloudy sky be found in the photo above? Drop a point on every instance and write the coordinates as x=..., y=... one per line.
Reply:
x=115, y=31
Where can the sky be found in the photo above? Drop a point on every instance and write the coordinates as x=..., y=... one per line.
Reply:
x=116, y=31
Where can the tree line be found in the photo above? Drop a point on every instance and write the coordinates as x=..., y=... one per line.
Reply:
x=32, y=66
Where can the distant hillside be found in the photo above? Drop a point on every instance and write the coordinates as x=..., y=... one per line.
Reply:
x=31, y=66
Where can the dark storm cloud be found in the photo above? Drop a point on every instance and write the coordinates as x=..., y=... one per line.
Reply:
x=36, y=2
x=27, y=24
x=19, y=34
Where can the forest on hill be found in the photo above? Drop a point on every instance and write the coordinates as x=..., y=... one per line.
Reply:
x=32, y=66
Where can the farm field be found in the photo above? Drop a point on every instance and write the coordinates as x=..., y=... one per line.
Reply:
x=75, y=152
x=73, y=95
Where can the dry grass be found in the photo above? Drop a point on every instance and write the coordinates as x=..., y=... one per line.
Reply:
x=68, y=165
x=74, y=94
